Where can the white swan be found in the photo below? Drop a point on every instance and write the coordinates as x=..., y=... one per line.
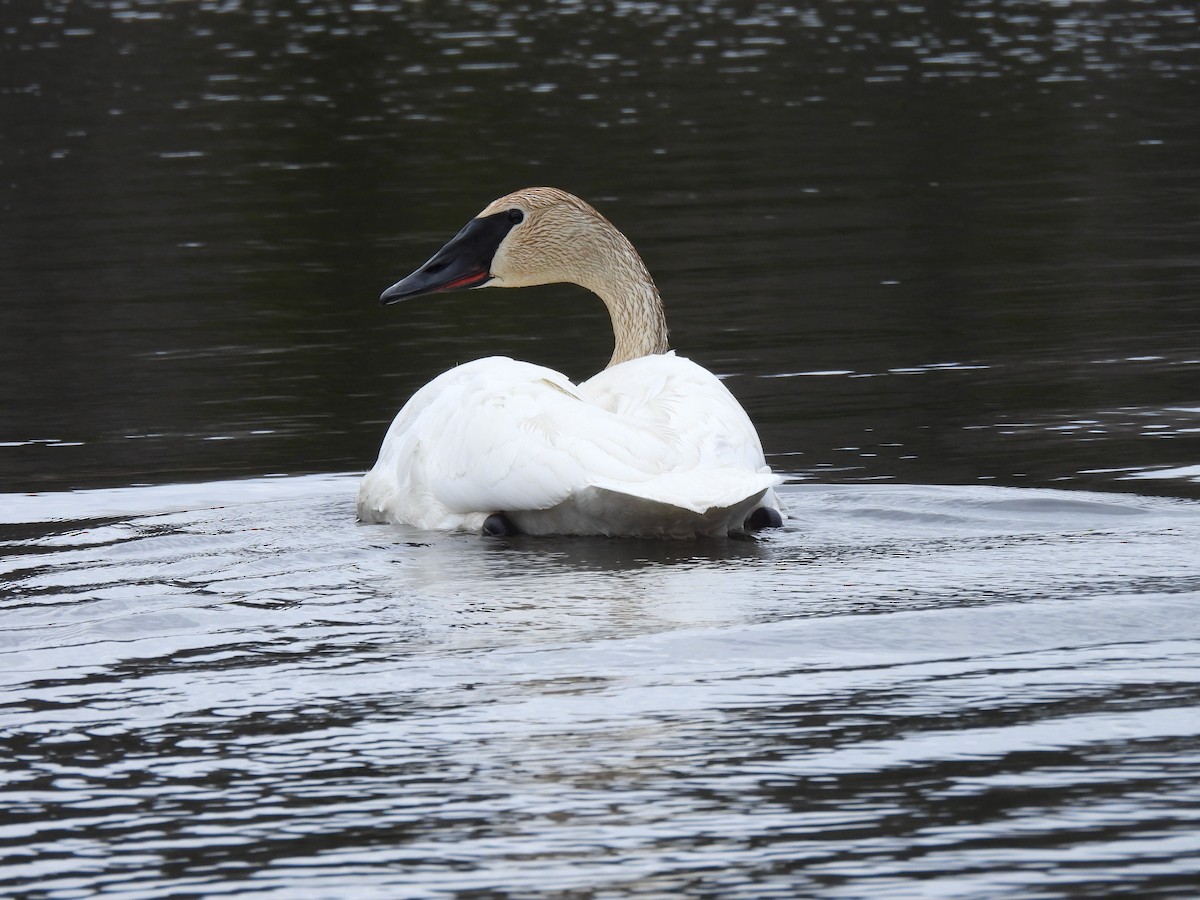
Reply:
x=654, y=445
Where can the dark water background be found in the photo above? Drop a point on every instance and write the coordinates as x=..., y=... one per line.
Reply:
x=979, y=220
x=947, y=256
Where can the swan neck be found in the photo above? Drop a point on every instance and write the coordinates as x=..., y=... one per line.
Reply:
x=639, y=326
x=638, y=320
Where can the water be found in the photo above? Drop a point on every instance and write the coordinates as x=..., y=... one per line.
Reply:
x=911, y=691
x=981, y=224
x=946, y=258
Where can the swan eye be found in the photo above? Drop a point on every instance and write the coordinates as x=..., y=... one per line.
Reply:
x=515, y=216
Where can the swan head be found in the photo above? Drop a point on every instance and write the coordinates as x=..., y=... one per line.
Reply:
x=545, y=236
x=529, y=237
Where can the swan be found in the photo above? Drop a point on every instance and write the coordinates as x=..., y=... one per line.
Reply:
x=652, y=446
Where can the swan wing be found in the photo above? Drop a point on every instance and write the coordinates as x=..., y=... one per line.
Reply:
x=498, y=435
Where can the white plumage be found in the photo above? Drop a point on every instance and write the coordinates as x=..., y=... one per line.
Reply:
x=654, y=445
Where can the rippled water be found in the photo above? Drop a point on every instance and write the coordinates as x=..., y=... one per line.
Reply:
x=908, y=692
x=945, y=255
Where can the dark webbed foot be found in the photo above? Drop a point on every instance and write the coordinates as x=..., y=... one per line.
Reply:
x=763, y=517
x=499, y=525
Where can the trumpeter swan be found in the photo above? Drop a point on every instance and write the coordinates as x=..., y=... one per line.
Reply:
x=654, y=445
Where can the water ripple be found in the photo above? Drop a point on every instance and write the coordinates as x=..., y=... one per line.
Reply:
x=908, y=686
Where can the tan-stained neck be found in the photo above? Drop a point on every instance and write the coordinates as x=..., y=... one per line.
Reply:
x=624, y=284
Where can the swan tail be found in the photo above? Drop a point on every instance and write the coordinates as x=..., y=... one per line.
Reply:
x=670, y=505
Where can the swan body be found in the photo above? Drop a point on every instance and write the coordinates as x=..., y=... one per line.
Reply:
x=654, y=445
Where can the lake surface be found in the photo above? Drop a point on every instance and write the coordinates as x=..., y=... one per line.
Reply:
x=910, y=691
x=947, y=259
